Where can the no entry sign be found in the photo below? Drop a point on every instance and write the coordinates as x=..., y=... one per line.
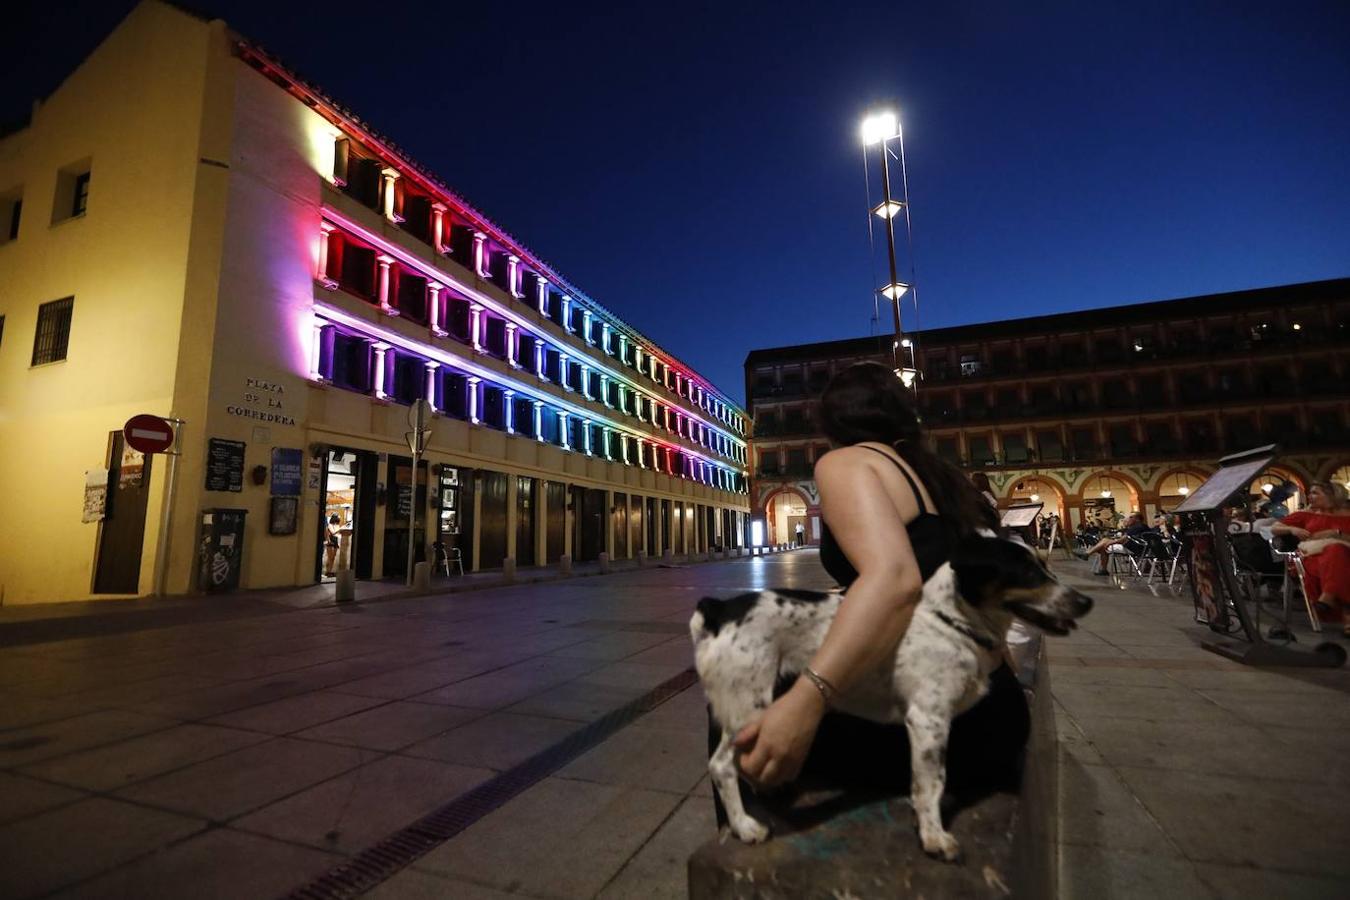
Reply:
x=148, y=434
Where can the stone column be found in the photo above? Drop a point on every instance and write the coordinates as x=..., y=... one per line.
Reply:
x=513, y=345
x=380, y=349
x=586, y=437
x=388, y=187
x=326, y=239
x=586, y=327
x=605, y=438
x=509, y=410
x=563, y=440
x=604, y=391
x=385, y=261
x=513, y=276
x=438, y=211
x=539, y=428
x=563, y=362
x=642, y=459
x=541, y=296
x=475, y=399
x=539, y=359
x=480, y=255
x=476, y=326
x=586, y=382
x=567, y=314
x=434, y=289
x=431, y=384
x=605, y=335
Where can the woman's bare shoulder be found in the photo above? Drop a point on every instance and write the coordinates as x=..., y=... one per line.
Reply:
x=841, y=459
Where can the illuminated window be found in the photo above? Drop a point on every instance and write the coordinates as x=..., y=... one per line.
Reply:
x=53, y=331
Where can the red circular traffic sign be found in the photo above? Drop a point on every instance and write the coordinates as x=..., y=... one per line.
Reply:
x=148, y=434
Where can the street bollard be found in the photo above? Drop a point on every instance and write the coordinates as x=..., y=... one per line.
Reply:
x=345, y=589
x=642, y=559
x=509, y=569
x=604, y=563
x=565, y=564
x=711, y=556
x=421, y=578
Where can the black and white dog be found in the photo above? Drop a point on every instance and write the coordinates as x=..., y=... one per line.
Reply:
x=744, y=645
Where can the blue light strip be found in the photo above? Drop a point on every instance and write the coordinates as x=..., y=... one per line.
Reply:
x=338, y=316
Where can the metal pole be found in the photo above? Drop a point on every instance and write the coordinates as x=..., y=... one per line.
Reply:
x=412, y=511
x=890, y=248
x=166, y=510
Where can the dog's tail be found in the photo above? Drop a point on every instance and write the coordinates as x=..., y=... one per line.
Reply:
x=705, y=619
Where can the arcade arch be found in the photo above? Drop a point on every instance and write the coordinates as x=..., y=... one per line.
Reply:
x=783, y=511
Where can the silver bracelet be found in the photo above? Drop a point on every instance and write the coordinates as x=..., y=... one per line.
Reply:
x=827, y=691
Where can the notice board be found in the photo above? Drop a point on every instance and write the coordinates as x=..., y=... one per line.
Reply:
x=224, y=465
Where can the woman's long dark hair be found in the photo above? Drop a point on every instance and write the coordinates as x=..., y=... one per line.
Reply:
x=866, y=402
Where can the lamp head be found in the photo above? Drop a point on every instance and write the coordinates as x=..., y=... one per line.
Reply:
x=878, y=127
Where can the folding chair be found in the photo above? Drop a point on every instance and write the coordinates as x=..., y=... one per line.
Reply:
x=1287, y=552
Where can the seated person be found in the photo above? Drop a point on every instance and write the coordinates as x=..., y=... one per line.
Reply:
x=1325, y=528
x=1134, y=526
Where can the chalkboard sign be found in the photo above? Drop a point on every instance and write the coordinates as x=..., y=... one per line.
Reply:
x=224, y=465
x=286, y=472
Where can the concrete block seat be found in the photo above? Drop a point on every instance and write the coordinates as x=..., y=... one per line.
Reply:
x=851, y=844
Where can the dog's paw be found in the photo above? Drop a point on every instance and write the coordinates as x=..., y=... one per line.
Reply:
x=942, y=845
x=750, y=831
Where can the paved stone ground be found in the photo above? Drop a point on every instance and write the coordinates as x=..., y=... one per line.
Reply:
x=205, y=749
x=1183, y=774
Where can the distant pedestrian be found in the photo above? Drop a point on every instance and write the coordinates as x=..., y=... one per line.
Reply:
x=330, y=549
x=800, y=534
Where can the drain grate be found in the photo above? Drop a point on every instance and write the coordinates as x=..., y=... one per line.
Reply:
x=382, y=861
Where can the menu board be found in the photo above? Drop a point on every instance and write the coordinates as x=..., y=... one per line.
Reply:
x=1223, y=484
x=1021, y=516
x=224, y=465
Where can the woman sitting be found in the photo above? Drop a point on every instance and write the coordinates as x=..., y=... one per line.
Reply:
x=1327, y=567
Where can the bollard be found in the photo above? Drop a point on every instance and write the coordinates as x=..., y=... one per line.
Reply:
x=604, y=563
x=711, y=556
x=667, y=555
x=346, y=586
x=421, y=578
x=509, y=569
x=565, y=564
x=642, y=559
x=738, y=552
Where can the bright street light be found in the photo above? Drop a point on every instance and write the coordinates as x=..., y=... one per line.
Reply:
x=890, y=209
x=895, y=290
x=878, y=127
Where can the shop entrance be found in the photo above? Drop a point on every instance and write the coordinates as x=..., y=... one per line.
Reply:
x=348, y=495
x=121, y=534
x=403, y=501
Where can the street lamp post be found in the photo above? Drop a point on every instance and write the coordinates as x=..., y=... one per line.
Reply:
x=878, y=129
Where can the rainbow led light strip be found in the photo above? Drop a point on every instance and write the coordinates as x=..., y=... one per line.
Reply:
x=508, y=315
x=719, y=476
x=350, y=125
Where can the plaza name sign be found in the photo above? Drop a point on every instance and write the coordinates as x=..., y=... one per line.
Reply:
x=264, y=401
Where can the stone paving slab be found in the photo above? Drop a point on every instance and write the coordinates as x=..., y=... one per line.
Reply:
x=60, y=847
x=21, y=797
x=495, y=741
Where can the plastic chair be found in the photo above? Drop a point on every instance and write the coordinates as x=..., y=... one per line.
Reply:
x=448, y=556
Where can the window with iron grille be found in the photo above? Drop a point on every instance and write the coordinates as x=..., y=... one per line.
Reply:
x=80, y=202
x=2, y=329
x=53, y=331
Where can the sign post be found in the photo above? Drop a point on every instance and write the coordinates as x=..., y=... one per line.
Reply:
x=418, y=415
x=153, y=434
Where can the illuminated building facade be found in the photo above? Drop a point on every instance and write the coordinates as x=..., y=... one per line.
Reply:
x=229, y=246
x=1093, y=413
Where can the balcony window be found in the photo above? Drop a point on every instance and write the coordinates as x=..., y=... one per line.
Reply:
x=1160, y=438
x=459, y=321
x=351, y=362
x=949, y=449
x=1049, y=447
x=363, y=182
x=981, y=453
x=1123, y=443
x=411, y=296
x=358, y=270
x=410, y=376
x=1084, y=442
x=494, y=336
x=1014, y=448
x=971, y=366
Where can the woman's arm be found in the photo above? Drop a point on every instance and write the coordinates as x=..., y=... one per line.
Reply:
x=870, y=622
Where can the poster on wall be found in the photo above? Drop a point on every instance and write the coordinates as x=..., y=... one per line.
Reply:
x=224, y=465
x=132, y=469
x=95, y=495
x=282, y=515
x=287, y=471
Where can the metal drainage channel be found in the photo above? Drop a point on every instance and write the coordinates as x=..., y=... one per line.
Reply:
x=382, y=861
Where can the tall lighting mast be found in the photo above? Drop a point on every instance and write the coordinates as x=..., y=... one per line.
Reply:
x=878, y=129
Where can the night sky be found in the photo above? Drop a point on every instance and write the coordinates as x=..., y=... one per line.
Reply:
x=696, y=167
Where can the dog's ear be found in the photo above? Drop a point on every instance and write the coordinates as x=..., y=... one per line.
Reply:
x=976, y=562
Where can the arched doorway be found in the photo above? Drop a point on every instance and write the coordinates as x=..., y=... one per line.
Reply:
x=1280, y=486
x=1108, y=499
x=1038, y=489
x=1173, y=489
x=783, y=512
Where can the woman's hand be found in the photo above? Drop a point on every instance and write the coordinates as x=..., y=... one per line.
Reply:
x=774, y=748
x=1302, y=534
x=1329, y=533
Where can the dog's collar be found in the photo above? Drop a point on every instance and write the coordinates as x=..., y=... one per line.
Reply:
x=983, y=639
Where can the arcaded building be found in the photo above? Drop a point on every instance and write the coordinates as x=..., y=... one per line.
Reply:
x=1093, y=413
x=193, y=231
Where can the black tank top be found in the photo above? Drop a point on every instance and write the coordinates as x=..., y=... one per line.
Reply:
x=928, y=536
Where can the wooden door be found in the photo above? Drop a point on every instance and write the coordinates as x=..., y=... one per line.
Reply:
x=121, y=534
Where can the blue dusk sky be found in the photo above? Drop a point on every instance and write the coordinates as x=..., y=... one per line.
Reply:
x=696, y=166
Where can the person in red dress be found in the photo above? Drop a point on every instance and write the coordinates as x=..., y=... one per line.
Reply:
x=1327, y=572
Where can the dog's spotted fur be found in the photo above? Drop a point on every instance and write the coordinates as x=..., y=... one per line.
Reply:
x=743, y=645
